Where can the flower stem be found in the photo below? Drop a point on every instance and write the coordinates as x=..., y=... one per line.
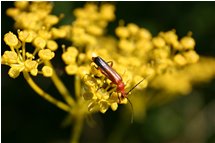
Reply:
x=43, y=94
x=77, y=87
x=76, y=133
x=61, y=87
x=23, y=50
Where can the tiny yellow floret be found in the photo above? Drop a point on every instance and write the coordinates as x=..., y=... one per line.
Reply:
x=191, y=56
x=47, y=71
x=21, y=4
x=71, y=69
x=158, y=42
x=188, y=42
x=26, y=35
x=122, y=32
x=40, y=42
x=15, y=70
x=180, y=60
x=34, y=72
x=52, y=45
x=30, y=65
x=46, y=54
x=11, y=39
x=9, y=57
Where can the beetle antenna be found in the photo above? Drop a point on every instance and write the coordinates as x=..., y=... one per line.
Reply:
x=134, y=86
x=132, y=111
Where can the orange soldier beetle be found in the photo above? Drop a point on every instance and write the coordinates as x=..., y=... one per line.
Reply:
x=116, y=79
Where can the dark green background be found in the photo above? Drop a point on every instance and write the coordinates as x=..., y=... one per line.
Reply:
x=27, y=118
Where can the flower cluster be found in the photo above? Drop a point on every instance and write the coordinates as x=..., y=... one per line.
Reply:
x=21, y=60
x=166, y=65
x=162, y=52
x=136, y=54
x=90, y=23
x=37, y=24
x=100, y=93
x=32, y=16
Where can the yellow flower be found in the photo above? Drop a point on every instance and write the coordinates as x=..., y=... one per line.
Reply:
x=188, y=42
x=180, y=60
x=170, y=37
x=46, y=54
x=107, y=12
x=133, y=28
x=191, y=56
x=122, y=32
x=15, y=70
x=144, y=34
x=47, y=71
x=13, y=12
x=26, y=36
x=52, y=45
x=158, y=42
x=51, y=20
x=71, y=69
x=34, y=72
x=60, y=33
x=21, y=4
x=30, y=65
x=11, y=39
x=69, y=57
x=94, y=30
x=40, y=42
x=9, y=57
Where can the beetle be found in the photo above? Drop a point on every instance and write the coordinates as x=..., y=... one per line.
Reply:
x=111, y=74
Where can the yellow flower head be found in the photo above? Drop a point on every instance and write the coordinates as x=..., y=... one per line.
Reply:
x=11, y=39
x=9, y=57
x=22, y=60
x=47, y=71
x=46, y=54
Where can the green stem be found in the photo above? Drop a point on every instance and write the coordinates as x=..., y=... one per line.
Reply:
x=78, y=125
x=118, y=133
x=77, y=87
x=23, y=51
x=45, y=95
x=61, y=87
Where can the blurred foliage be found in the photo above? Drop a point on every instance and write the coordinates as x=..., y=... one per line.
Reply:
x=26, y=118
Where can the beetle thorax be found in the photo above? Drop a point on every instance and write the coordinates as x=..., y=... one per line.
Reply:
x=121, y=88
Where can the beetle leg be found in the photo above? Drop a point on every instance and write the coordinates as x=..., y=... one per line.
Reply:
x=111, y=63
